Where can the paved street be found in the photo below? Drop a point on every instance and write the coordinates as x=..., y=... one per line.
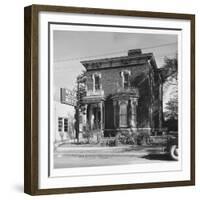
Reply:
x=69, y=156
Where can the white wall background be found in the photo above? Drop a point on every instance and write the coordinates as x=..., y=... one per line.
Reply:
x=11, y=100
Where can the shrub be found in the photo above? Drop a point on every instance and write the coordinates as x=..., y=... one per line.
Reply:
x=143, y=138
x=126, y=139
x=87, y=134
x=109, y=141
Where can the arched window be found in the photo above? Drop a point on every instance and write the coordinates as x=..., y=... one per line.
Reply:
x=123, y=115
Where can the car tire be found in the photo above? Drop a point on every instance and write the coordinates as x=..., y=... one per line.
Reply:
x=174, y=152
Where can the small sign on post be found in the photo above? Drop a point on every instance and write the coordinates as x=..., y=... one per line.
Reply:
x=68, y=97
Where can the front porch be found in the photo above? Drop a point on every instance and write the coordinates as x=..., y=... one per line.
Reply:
x=94, y=116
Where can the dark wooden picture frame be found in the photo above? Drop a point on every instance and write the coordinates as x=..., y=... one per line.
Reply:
x=31, y=39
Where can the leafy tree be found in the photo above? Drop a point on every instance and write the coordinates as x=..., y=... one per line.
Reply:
x=171, y=66
x=172, y=109
x=170, y=74
x=170, y=79
x=80, y=93
x=81, y=90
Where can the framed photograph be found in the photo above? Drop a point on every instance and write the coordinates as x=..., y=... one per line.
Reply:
x=109, y=99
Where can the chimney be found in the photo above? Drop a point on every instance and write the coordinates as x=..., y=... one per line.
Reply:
x=133, y=52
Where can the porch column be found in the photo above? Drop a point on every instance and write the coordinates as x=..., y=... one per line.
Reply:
x=85, y=116
x=101, y=118
x=91, y=117
x=101, y=111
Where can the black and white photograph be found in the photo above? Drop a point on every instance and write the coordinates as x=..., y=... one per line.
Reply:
x=109, y=99
x=115, y=97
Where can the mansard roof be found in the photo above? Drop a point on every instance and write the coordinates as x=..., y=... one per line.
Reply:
x=134, y=57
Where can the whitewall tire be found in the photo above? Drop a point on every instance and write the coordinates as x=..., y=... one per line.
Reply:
x=174, y=152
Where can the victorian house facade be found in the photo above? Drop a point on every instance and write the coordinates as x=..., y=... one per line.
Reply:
x=123, y=94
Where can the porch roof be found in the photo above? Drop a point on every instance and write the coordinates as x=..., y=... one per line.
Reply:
x=93, y=99
x=126, y=94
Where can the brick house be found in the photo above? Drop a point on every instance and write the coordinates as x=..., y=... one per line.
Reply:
x=123, y=94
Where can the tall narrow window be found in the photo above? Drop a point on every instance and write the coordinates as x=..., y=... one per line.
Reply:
x=60, y=124
x=97, y=82
x=65, y=125
x=123, y=115
x=126, y=80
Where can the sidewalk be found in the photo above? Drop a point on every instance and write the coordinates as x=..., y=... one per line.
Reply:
x=126, y=150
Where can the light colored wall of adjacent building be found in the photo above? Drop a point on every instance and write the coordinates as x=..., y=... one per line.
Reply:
x=64, y=111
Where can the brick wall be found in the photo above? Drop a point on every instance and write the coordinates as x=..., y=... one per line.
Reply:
x=145, y=79
x=111, y=79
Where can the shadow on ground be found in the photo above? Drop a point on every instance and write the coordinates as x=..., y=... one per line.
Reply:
x=158, y=157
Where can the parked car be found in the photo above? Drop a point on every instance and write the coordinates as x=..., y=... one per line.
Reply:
x=169, y=142
x=172, y=145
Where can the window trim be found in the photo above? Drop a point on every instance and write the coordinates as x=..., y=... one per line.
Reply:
x=123, y=73
x=94, y=83
x=61, y=124
x=122, y=125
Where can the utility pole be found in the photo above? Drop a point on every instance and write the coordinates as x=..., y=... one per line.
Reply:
x=79, y=104
x=77, y=113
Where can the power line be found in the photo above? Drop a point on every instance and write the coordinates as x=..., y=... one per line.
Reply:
x=158, y=56
x=111, y=53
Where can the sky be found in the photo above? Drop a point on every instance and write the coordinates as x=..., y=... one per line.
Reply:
x=70, y=47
